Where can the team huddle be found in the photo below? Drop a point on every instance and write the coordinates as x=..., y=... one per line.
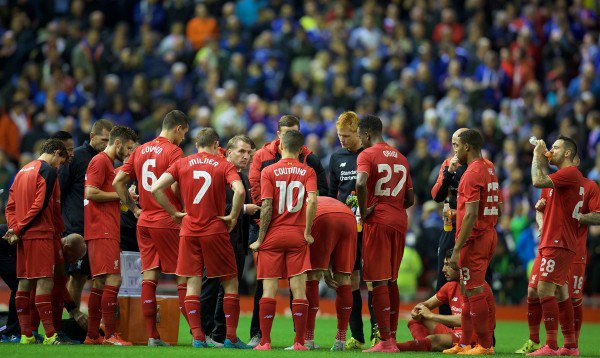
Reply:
x=189, y=209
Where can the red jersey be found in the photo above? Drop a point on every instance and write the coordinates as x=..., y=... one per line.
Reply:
x=327, y=205
x=32, y=200
x=450, y=295
x=560, y=226
x=591, y=204
x=146, y=164
x=479, y=183
x=287, y=182
x=203, y=179
x=387, y=184
x=101, y=219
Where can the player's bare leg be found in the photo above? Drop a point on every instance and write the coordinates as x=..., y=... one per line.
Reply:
x=534, y=319
x=267, y=308
x=192, y=307
x=312, y=295
x=299, y=309
x=343, y=307
x=382, y=307
x=231, y=308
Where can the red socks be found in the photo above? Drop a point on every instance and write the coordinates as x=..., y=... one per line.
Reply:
x=149, y=307
x=58, y=301
x=417, y=329
x=22, y=307
x=534, y=318
x=343, y=308
x=419, y=345
x=231, y=308
x=578, y=316
x=43, y=303
x=394, y=308
x=381, y=307
x=181, y=292
x=94, y=313
x=480, y=317
x=550, y=314
x=312, y=295
x=300, y=314
x=109, y=309
x=567, y=324
x=192, y=307
x=34, y=316
x=466, y=322
x=266, y=313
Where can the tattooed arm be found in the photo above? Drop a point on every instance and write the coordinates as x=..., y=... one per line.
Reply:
x=539, y=167
x=265, y=220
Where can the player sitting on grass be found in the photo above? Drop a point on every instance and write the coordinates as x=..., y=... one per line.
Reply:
x=435, y=332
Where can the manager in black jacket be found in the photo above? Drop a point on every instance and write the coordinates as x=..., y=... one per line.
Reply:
x=71, y=179
x=211, y=296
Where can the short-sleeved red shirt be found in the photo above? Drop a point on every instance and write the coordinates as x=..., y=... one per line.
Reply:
x=146, y=164
x=288, y=182
x=591, y=204
x=479, y=183
x=450, y=294
x=387, y=184
x=560, y=226
x=101, y=219
x=203, y=179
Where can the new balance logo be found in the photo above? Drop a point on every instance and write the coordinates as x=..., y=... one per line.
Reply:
x=343, y=165
x=387, y=309
x=148, y=301
x=269, y=316
x=298, y=314
x=455, y=299
x=227, y=315
x=192, y=312
x=346, y=308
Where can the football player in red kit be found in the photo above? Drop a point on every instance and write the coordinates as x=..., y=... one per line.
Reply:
x=558, y=244
x=478, y=207
x=591, y=216
x=284, y=236
x=157, y=233
x=102, y=234
x=334, y=231
x=30, y=216
x=204, y=241
x=384, y=192
x=436, y=332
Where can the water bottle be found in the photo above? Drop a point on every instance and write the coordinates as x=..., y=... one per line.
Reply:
x=533, y=141
x=447, y=216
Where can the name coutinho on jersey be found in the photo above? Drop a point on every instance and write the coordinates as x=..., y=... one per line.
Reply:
x=291, y=170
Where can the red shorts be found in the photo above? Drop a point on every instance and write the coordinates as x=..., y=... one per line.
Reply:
x=33, y=258
x=211, y=252
x=105, y=257
x=158, y=248
x=577, y=280
x=554, y=265
x=335, y=240
x=283, y=254
x=456, y=332
x=475, y=258
x=383, y=248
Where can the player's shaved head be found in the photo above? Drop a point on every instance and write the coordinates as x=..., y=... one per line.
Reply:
x=206, y=137
x=458, y=132
x=471, y=137
x=292, y=141
x=370, y=124
x=74, y=247
x=175, y=118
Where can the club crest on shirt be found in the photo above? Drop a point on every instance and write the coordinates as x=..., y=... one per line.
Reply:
x=342, y=164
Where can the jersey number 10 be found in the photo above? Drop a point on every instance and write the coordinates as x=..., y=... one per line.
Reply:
x=286, y=196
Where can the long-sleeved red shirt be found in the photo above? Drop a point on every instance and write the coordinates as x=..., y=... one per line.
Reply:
x=33, y=206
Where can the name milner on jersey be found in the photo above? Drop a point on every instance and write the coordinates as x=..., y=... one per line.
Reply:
x=197, y=161
x=290, y=170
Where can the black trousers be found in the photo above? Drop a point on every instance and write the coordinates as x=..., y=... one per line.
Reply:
x=8, y=272
x=447, y=243
x=212, y=316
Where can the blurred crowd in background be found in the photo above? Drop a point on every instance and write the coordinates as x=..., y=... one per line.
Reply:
x=511, y=69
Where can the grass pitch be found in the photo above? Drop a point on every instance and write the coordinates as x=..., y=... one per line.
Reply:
x=509, y=336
